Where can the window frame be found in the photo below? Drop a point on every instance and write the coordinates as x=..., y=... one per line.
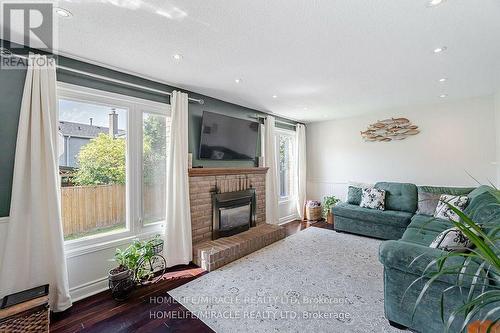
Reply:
x=291, y=134
x=134, y=167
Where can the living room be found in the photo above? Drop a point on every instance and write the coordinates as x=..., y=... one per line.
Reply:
x=327, y=166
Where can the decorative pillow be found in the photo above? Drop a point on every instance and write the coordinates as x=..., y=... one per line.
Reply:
x=354, y=195
x=373, y=198
x=427, y=203
x=452, y=240
x=443, y=211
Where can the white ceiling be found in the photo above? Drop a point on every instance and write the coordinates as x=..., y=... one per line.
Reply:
x=337, y=58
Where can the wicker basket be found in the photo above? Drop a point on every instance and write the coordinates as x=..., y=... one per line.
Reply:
x=313, y=213
x=30, y=316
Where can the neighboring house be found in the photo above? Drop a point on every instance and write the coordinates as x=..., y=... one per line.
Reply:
x=77, y=135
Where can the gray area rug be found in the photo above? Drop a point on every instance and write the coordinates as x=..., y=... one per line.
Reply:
x=314, y=281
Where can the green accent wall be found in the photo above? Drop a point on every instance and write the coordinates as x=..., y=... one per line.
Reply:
x=11, y=89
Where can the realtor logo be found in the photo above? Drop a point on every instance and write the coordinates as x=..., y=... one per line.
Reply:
x=26, y=26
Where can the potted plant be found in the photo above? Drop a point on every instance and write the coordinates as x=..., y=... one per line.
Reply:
x=121, y=278
x=328, y=203
x=480, y=311
x=138, y=263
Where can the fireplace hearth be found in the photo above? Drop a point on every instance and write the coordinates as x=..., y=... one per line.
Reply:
x=233, y=212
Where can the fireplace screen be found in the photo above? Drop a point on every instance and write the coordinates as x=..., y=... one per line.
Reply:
x=234, y=217
x=233, y=212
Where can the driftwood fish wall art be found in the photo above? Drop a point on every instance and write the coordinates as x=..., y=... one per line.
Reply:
x=389, y=130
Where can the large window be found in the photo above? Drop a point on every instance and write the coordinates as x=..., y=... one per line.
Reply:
x=285, y=141
x=112, y=163
x=92, y=163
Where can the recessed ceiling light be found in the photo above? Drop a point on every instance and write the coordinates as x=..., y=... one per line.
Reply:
x=177, y=56
x=237, y=80
x=62, y=12
x=443, y=79
x=443, y=96
x=434, y=3
x=305, y=109
x=440, y=49
x=275, y=96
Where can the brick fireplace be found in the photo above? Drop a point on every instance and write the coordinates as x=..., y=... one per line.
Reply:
x=212, y=191
x=203, y=183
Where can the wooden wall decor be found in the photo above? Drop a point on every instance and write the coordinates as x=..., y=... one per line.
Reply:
x=389, y=130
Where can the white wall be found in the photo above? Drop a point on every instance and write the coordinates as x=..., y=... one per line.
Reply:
x=456, y=138
x=87, y=268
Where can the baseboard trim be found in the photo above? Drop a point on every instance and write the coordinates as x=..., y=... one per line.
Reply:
x=88, y=289
x=287, y=219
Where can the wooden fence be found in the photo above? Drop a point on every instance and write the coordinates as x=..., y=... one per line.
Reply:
x=87, y=208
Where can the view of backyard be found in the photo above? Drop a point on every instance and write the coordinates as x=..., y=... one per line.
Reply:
x=93, y=169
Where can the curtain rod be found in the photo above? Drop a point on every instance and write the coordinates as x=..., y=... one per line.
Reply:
x=277, y=121
x=105, y=78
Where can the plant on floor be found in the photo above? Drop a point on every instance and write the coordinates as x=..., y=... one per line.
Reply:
x=328, y=203
x=133, y=266
x=480, y=266
x=136, y=252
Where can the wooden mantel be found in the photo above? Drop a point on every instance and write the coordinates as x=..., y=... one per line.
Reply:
x=199, y=172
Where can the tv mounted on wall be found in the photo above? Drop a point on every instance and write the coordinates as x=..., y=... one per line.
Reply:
x=227, y=138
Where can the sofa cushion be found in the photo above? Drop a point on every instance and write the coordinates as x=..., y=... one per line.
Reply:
x=478, y=191
x=443, y=209
x=373, y=198
x=427, y=202
x=354, y=195
x=484, y=209
x=419, y=236
x=452, y=240
x=446, y=190
x=429, y=223
x=401, y=255
x=373, y=215
x=399, y=196
x=424, y=229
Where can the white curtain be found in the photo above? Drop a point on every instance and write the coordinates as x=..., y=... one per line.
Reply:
x=300, y=168
x=270, y=161
x=34, y=248
x=178, y=241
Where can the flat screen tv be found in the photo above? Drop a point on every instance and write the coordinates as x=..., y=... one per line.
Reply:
x=227, y=138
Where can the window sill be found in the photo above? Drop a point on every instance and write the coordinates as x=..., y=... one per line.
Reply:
x=286, y=200
x=73, y=250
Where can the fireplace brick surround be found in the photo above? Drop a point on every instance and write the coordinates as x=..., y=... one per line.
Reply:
x=211, y=254
x=202, y=183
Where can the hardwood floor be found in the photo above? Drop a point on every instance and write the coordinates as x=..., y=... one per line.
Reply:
x=147, y=309
x=296, y=226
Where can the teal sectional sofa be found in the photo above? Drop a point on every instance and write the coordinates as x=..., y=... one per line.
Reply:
x=408, y=236
x=400, y=206
x=399, y=273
